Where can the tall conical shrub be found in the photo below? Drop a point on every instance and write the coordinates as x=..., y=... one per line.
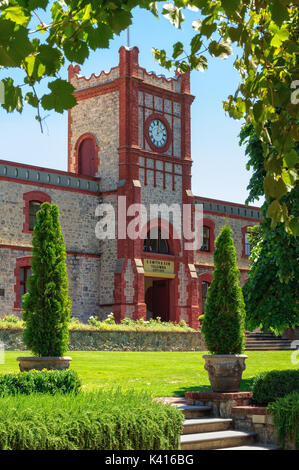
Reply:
x=224, y=318
x=46, y=306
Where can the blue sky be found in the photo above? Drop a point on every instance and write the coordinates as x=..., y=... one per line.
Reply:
x=219, y=162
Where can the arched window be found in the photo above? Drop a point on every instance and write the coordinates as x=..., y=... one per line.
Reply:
x=33, y=201
x=87, y=157
x=208, y=236
x=155, y=242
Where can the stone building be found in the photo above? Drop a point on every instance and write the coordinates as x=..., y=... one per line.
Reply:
x=128, y=143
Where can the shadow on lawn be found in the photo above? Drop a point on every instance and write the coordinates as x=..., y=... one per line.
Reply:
x=246, y=386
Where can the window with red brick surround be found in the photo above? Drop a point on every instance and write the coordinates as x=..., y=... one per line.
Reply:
x=31, y=200
x=205, y=280
x=245, y=244
x=22, y=272
x=208, y=242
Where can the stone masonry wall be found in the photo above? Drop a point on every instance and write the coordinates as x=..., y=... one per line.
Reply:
x=99, y=116
x=236, y=225
x=88, y=340
x=77, y=216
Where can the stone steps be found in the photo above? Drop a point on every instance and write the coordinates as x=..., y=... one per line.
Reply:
x=193, y=426
x=216, y=440
x=252, y=447
x=193, y=412
x=266, y=342
x=202, y=431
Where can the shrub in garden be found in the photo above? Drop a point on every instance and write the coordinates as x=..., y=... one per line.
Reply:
x=268, y=386
x=224, y=317
x=54, y=381
x=285, y=413
x=46, y=306
x=102, y=420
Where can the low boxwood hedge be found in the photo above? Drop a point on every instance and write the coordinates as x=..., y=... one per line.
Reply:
x=101, y=420
x=54, y=381
x=268, y=386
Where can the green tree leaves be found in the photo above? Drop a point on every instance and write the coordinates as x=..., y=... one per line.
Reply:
x=40, y=50
x=61, y=96
x=266, y=33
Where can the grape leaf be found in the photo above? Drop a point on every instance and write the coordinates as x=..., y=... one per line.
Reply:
x=61, y=96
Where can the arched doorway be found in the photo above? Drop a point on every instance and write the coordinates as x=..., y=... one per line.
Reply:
x=87, y=157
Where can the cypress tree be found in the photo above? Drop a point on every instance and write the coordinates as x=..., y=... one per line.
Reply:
x=46, y=305
x=224, y=318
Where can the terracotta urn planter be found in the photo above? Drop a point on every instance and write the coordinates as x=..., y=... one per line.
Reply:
x=225, y=371
x=43, y=362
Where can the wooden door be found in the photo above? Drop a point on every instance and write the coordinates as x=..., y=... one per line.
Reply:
x=161, y=299
x=87, y=158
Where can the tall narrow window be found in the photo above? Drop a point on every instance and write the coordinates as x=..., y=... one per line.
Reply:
x=22, y=273
x=204, y=292
x=208, y=235
x=25, y=273
x=247, y=245
x=245, y=242
x=33, y=200
x=205, y=239
x=34, y=207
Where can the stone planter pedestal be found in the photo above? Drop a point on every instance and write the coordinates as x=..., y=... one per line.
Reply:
x=225, y=371
x=44, y=362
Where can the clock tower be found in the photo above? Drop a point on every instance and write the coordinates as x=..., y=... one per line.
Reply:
x=131, y=129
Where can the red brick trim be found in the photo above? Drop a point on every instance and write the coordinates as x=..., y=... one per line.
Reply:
x=25, y=261
x=159, y=116
x=211, y=225
x=36, y=196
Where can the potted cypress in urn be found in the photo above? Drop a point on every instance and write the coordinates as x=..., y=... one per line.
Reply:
x=46, y=305
x=224, y=319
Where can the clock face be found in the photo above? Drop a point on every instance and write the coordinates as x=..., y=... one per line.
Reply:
x=157, y=133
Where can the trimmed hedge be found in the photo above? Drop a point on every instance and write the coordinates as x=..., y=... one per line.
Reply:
x=102, y=420
x=53, y=381
x=285, y=412
x=268, y=386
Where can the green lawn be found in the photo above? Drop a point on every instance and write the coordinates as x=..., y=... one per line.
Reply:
x=163, y=373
